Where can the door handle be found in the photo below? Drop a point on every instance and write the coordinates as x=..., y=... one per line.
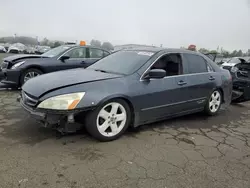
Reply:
x=211, y=78
x=181, y=83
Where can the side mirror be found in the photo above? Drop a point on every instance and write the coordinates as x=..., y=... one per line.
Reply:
x=156, y=74
x=63, y=58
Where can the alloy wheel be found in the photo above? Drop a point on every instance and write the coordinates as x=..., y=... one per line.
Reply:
x=111, y=119
x=30, y=75
x=215, y=101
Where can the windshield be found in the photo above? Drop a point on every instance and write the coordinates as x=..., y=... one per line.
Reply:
x=55, y=51
x=122, y=62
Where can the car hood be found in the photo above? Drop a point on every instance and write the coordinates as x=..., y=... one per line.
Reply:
x=229, y=64
x=21, y=56
x=49, y=82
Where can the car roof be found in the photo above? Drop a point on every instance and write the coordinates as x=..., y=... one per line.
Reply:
x=77, y=45
x=158, y=49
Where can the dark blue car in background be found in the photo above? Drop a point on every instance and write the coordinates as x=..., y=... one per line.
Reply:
x=16, y=70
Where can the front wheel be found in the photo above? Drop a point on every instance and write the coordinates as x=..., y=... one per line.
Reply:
x=214, y=103
x=109, y=121
x=28, y=74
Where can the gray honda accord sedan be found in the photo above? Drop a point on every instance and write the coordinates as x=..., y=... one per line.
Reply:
x=127, y=88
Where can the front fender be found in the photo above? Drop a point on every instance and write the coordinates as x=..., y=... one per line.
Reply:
x=94, y=99
x=115, y=96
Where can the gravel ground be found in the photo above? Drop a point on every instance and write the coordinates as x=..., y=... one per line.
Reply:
x=189, y=152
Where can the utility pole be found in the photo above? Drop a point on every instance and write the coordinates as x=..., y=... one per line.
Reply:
x=37, y=40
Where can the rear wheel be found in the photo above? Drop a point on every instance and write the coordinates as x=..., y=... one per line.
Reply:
x=109, y=121
x=214, y=103
x=28, y=74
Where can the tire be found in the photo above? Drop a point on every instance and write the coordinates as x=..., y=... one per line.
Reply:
x=103, y=117
x=213, y=104
x=29, y=71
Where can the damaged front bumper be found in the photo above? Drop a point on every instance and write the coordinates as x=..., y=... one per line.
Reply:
x=63, y=121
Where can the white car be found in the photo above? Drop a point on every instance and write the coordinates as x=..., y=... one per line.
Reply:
x=2, y=49
x=234, y=61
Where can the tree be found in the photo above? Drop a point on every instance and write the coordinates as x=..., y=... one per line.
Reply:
x=213, y=51
x=239, y=53
x=203, y=50
x=225, y=54
x=248, y=52
x=234, y=53
x=95, y=43
x=56, y=44
x=45, y=42
x=107, y=46
x=2, y=40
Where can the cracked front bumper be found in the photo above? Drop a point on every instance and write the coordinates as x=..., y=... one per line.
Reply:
x=10, y=77
x=52, y=118
x=48, y=120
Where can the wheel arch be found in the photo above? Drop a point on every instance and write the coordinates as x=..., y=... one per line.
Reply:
x=222, y=93
x=30, y=67
x=34, y=67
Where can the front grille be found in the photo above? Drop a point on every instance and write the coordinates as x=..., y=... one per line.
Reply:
x=28, y=100
x=4, y=65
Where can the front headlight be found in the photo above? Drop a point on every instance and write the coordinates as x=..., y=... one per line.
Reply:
x=17, y=65
x=234, y=69
x=62, y=102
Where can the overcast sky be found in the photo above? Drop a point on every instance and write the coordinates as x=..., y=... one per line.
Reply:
x=173, y=23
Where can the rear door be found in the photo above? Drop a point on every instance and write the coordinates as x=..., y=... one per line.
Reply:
x=201, y=79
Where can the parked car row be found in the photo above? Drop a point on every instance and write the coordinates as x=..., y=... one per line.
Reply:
x=114, y=91
x=17, y=69
x=19, y=48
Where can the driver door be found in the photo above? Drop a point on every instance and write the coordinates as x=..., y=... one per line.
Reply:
x=78, y=57
x=165, y=96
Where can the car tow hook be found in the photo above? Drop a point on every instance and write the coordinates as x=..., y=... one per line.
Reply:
x=71, y=118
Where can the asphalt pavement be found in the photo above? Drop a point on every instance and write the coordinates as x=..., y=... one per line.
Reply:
x=191, y=152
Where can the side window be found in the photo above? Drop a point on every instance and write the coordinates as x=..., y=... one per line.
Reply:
x=209, y=68
x=171, y=63
x=77, y=53
x=196, y=64
x=95, y=53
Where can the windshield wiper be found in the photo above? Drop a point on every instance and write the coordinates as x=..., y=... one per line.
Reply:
x=99, y=70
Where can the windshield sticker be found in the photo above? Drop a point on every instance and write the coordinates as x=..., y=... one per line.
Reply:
x=145, y=53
